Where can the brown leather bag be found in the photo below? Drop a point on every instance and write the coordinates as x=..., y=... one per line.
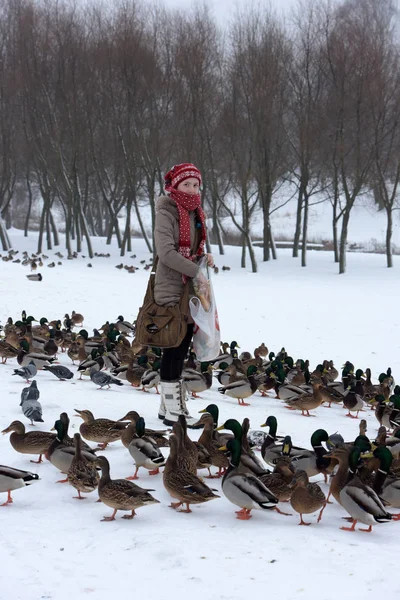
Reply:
x=162, y=326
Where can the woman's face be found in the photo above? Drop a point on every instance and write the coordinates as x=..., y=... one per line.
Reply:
x=190, y=186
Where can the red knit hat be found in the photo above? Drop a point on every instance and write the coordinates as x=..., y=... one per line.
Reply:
x=179, y=173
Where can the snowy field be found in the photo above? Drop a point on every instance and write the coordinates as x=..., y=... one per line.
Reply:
x=54, y=547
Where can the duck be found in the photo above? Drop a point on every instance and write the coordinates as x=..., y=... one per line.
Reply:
x=360, y=500
x=121, y=494
x=82, y=473
x=219, y=437
x=144, y=451
x=7, y=351
x=136, y=370
x=387, y=484
x=243, y=388
x=151, y=377
x=77, y=319
x=307, y=401
x=223, y=374
x=32, y=442
x=313, y=462
x=225, y=356
x=13, y=479
x=353, y=400
x=103, y=431
x=24, y=357
x=383, y=411
x=272, y=446
x=124, y=326
x=159, y=435
x=249, y=463
x=212, y=445
x=370, y=389
x=278, y=482
x=306, y=498
x=244, y=490
x=182, y=484
x=196, y=382
x=60, y=455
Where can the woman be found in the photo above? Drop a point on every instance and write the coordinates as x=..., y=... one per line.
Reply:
x=180, y=234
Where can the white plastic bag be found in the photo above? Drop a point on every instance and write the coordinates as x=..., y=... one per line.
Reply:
x=206, y=333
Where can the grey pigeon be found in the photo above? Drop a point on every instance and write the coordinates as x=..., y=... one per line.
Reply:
x=102, y=379
x=59, y=371
x=30, y=404
x=26, y=372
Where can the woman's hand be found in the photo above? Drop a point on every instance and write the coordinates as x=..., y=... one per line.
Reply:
x=210, y=260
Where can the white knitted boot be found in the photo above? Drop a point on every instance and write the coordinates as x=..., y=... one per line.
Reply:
x=173, y=395
x=162, y=408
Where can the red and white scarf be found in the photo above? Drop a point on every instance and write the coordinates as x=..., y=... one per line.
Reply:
x=184, y=203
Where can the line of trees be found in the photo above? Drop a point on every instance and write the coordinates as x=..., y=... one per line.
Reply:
x=96, y=103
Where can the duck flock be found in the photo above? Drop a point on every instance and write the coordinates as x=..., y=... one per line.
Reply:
x=258, y=468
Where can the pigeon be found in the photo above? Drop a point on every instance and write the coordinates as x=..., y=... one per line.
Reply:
x=30, y=404
x=27, y=372
x=35, y=277
x=59, y=371
x=102, y=379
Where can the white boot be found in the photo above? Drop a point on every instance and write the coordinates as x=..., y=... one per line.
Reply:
x=173, y=395
x=162, y=409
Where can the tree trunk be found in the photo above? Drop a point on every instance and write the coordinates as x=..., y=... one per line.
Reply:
x=5, y=240
x=215, y=228
x=48, y=230
x=334, y=222
x=296, y=241
x=251, y=253
x=243, y=259
x=305, y=231
x=53, y=225
x=343, y=242
x=85, y=232
x=272, y=242
x=30, y=201
x=389, y=231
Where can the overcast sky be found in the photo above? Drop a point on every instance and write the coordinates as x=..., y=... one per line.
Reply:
x=224, y=9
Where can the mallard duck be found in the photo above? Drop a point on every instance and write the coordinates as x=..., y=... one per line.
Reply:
x=307, y=402
x=136, y=371
x=50, y=346
x=82, y=473
x=359, y=500
x=243, y=388
x=279, y=481
x=124, y=326
x=77, y=319
x=353, y=399
x=306, y=497
x=386, y=379
x=151, y=377
x=383, y=411
x=331, y=373
x=144, y=451
x=196, y=382
x=121, y=494
x=313, y=462
x=272, y=446
x=42, y=329
x=7, y=351
x=103, y=431
x=25, y=357
x=244, y=489
x=387, y=484
x=188, y=457
x=69, y=441
x=33, y=442
x=13, y=479
x=370, y=389
x=223, y=374
x=127, y=434
x=395, y=414
x=182, y=484
x=249, y=463
x=220, y=438
x=207, y=439
x=61, y=455
x=225, y=356
x=94, y=360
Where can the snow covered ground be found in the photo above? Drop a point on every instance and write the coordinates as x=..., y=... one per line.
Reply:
x=54, y=547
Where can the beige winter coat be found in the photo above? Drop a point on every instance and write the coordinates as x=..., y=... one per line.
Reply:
x=171, y=265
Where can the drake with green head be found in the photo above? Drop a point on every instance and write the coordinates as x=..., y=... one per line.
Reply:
x=244, y=489
x=243, y=388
